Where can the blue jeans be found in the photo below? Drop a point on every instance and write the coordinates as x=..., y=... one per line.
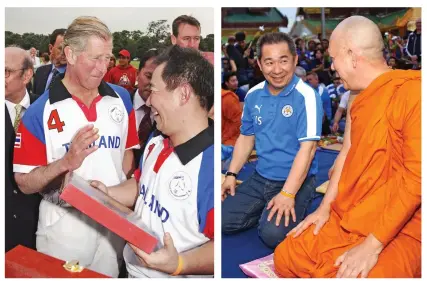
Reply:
x=248, y=208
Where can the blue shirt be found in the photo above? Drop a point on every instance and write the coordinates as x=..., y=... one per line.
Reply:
x=332, y=91
x=241, y=94
x=341, y=90
x=49, y=78
x=280, y=123
x=326, y=101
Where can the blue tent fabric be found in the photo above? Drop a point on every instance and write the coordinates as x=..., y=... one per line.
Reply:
x=246, y=246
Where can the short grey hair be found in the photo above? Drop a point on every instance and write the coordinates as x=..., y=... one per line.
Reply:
x=300, y=71
x=81, y=29
x=27, y=61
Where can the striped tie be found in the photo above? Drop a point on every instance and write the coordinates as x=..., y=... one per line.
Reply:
x=18, y=110
x=55, y=73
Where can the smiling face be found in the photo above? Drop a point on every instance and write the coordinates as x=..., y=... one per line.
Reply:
x=90, y=65
x=165, y=104
x=277, y=65
x=144, y=78
x=341, y=61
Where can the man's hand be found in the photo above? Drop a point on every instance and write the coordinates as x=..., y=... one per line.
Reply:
x=79, y=148
x=359, y=260
x=164, y=260
x=99, y=185
x=318, y=218
x=335, y=127
x=228, y=187
x=282, y=205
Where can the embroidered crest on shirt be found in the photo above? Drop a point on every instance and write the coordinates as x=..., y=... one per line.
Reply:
x=180, y=186
x=116, y=113
x=287, y=110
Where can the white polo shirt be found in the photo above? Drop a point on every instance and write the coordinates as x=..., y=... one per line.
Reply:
x=50, y=123
x=344, y=100
x=176, y=195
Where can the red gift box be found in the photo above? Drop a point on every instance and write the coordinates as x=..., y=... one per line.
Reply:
x=22, y=262
x=108, y=212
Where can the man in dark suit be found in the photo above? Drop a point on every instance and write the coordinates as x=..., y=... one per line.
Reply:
x=22, y=211
x=45, y=74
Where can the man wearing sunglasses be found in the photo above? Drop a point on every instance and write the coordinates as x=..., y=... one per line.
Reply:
x=123, y=74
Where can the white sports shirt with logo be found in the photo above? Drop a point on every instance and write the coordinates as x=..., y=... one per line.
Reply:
x=50, y=124
x=176, y=195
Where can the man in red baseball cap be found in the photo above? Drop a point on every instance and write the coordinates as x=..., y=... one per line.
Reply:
x=123, y=74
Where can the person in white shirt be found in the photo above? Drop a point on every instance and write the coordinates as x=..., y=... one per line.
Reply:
x=176, y=172
x=341, y=108
x=35, y=58
x=84, y=126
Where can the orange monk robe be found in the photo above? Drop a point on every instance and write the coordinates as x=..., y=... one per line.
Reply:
x=230, y=117
x=379, y=191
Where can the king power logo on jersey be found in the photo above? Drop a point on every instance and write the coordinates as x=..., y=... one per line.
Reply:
x=102, y=142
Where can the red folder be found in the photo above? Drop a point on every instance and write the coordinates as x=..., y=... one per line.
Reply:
x=22, y=262
x=108, y=212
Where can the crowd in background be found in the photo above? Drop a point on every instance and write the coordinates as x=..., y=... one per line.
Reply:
x=240, y=72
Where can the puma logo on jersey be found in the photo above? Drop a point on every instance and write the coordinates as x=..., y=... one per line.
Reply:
x=258, y=107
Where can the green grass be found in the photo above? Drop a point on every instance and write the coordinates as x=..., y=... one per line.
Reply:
x=135, y=64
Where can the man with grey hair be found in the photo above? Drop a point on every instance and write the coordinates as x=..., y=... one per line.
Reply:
x=301, y=73
x=81, y=125
x=22, y=210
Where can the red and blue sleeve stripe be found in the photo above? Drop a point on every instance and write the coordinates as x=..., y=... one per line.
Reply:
x=31, y=148
x=205, y=193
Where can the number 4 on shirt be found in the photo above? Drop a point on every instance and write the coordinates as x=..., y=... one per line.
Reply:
x=54, y=122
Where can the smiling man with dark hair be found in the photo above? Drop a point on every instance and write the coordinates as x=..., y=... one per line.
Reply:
x=282, y=118
x=175, y=171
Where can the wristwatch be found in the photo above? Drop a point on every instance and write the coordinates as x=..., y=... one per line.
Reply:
x=231, y=174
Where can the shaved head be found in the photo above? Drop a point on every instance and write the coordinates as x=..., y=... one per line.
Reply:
x=356, y=49
x=360, y=35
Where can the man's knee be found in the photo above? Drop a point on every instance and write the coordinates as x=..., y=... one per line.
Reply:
x=271, y=234
x=231, y=223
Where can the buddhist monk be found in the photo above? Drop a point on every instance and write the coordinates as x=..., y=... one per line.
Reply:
x=369, y=224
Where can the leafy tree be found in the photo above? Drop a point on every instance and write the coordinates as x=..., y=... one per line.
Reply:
x=157, y=35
